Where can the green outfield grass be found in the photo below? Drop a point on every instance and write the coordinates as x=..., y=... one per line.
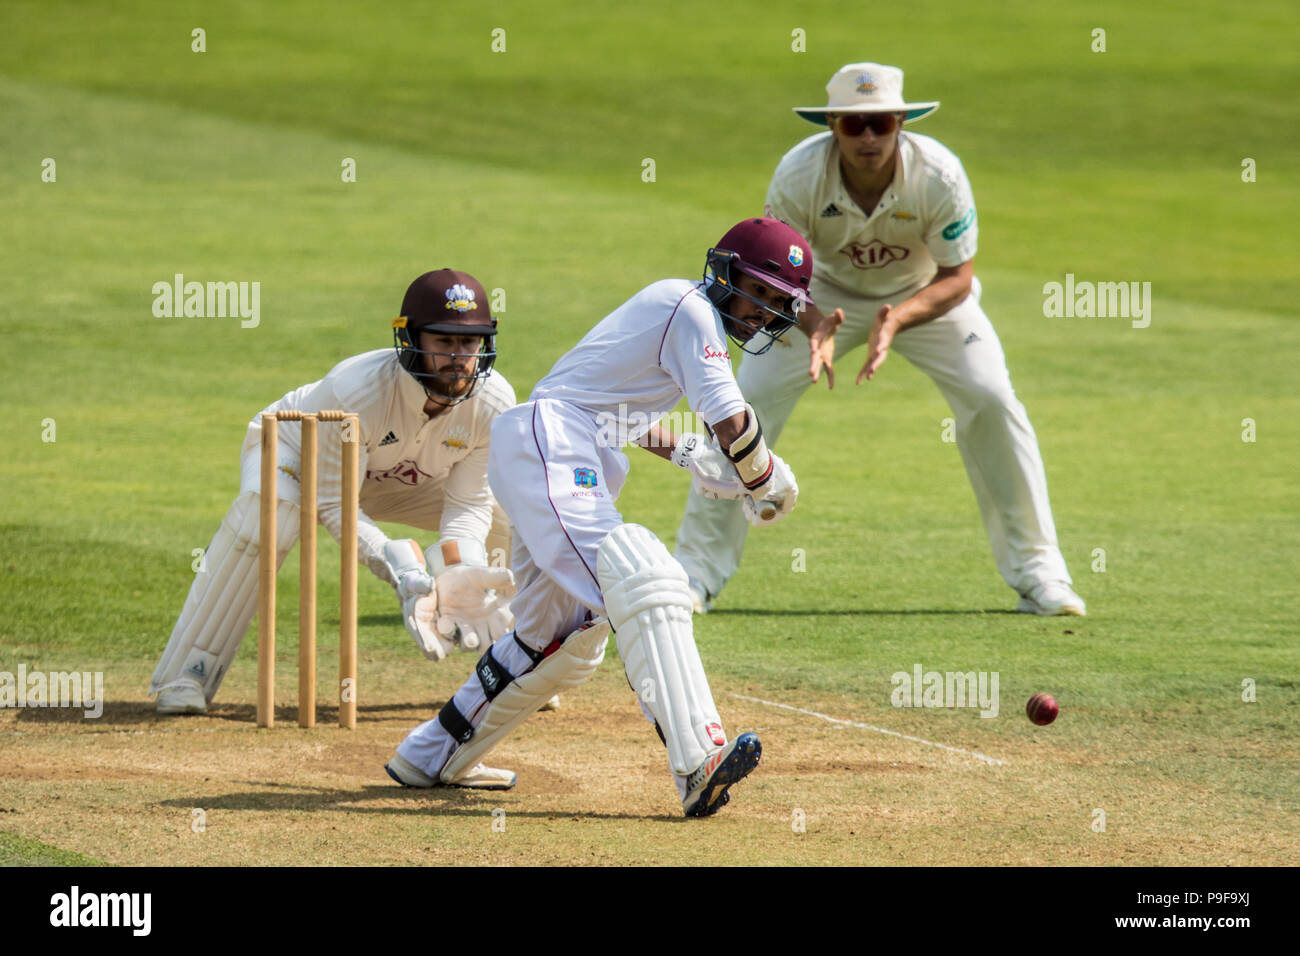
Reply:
x=525, y=168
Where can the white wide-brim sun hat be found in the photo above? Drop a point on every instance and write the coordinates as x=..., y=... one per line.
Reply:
x=866, y=88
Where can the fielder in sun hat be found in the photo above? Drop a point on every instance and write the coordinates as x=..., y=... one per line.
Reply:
x=866, y=88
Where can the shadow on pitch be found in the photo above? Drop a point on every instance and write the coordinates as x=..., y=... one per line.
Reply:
x=144, y=715
x=328, y=713
x=856, y=612
x=445, y=801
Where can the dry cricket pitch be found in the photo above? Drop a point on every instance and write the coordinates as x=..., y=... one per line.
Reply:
x=133, y=788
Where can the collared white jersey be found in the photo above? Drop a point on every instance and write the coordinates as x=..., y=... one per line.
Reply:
x=635, y=365
x=413, y=466
x=925, y=219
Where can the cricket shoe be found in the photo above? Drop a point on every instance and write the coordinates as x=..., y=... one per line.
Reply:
x=476, y=778
x=1052, y=599
x=701, y=599
x=552, y=704
x=706, y=788
x=183, y=698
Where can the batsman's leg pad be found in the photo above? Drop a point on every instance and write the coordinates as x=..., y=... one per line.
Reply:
x=223, y=598
x=512, y=699
x=649, y=604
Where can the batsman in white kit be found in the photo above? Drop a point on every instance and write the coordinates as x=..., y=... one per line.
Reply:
x=891, y=217
x=557, y=468
x=425, y=410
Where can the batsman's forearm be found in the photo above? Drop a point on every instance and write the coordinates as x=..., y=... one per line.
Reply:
x=658, y=441
x=729, y=429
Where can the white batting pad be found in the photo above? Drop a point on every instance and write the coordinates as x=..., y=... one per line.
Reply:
x=569, y=665
x=649, y=605
x=223, y=598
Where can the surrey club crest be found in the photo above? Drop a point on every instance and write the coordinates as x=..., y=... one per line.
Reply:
x=461, y=298
x=457, y=439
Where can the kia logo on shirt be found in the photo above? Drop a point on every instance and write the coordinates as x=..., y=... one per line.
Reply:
x=874, y=254
x=405, y=472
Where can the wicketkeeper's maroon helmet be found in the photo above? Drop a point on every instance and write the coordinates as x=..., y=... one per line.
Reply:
x=772, y=253
x=451, y=303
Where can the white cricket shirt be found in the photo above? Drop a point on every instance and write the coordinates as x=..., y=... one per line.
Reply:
x=925, y=218
x=635, y=365
x=413, y=466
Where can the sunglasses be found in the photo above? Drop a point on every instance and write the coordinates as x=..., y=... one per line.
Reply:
x=854, y=124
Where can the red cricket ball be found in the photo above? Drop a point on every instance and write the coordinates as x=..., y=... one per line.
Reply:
x=1042, y=709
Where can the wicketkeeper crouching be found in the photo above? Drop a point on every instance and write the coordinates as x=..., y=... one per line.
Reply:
x=425, y=410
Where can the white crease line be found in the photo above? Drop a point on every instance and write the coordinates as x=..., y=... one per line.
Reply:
x=880, y=730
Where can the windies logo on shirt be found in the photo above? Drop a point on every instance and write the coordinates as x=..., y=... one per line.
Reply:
x=584, y=477
x=711, y=353
x=874, y=255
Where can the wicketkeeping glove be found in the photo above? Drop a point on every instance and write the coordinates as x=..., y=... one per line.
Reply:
x=472, y=597
x=712, y=473
x=418, y=597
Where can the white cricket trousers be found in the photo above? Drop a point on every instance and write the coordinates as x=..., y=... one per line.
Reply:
x=557, y=482
x=960, y=351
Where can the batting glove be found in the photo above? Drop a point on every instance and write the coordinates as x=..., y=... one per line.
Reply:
x=778, y=499
x=712, y=474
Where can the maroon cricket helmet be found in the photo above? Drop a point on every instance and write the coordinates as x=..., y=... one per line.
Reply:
x=770, y=252
x=449, y=302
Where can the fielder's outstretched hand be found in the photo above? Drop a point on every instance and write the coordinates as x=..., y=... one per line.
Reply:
x=882, y=335
x=821, y=331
